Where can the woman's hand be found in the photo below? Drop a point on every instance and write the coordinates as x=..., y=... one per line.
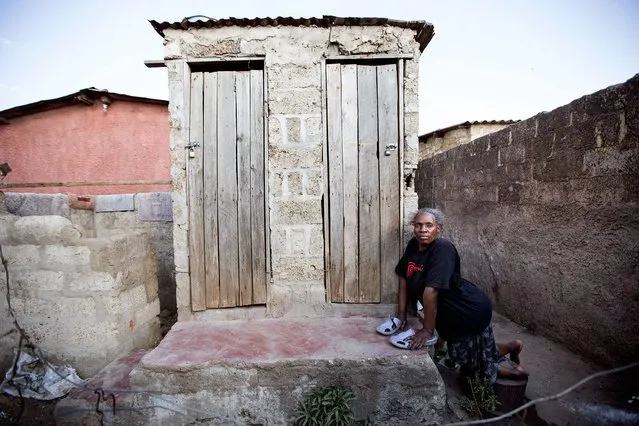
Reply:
x=419, y=338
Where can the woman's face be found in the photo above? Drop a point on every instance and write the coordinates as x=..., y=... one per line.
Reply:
x=425, y=228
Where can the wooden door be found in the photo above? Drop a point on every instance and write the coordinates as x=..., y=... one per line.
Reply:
x=227, y=242
x=364, y=182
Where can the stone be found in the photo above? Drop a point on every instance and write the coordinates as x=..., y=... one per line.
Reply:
x=87, y=282
x=155, y=207
x=21, y=255
x=115, y=203
x=22, y=204
x=38, y=280
x=65, y=257
x=45, y=230
x=298, y=268
x=296, y=212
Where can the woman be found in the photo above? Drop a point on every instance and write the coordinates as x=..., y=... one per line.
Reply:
x=429, y=273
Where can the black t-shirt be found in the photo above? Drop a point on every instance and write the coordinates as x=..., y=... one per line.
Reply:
x=463, y=309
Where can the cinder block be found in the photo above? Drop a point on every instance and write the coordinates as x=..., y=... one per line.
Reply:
x=279, y=242
x=115, y=203
x=277, y=134
x=293, y=129
x=299, y=299
x=22, y=204
x=278, y=184
x=147, y=313
x=316, y=240
x=297, y=241
x=45, y=230
x=109, y=254
x=22, y=255
x=515, y=153
x=6, y=225
x=90, y=281
x=312, y=130
x=34, y=281
x=305, y=157
x=296, y=212
x=303, y=101
x=294, y=184
x=285, y=76
x=313, y=183
x=298, y=268
x=65, y=257
x=155, y=207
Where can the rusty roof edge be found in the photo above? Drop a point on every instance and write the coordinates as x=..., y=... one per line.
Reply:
x=73, y=98
x=465, y=124
x=424, y=30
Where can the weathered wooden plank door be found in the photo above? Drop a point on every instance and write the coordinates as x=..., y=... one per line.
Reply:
x=226, y=178
x=364, y=182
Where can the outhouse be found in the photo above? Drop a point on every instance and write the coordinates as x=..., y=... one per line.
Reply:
x=294, y=143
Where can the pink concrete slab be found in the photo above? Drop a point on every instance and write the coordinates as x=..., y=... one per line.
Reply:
x=271, y=340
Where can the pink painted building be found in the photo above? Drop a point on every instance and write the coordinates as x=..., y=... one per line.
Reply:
x=90, y=142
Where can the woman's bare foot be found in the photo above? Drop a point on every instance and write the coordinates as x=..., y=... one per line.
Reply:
x=516, y=373
x=512, y=349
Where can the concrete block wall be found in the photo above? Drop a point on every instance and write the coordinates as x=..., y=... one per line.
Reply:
x=83, y=301
x=109, y=215
x=295, y=139
x=545, y=216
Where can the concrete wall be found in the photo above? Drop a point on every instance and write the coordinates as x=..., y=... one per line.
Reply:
x=545, y=216
x=80, y=144
x=438, y=143
x=110, y=215
x=83, y=301
x=293, y=69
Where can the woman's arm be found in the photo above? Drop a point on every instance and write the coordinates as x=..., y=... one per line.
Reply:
x=428, y=323
x=401, y=301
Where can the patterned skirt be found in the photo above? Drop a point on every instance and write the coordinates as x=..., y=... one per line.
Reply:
x=477, y=354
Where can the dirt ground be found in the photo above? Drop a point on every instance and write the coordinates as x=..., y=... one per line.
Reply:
x=33, y=412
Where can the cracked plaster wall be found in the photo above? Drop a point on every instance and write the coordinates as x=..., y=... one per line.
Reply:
x=545, y=216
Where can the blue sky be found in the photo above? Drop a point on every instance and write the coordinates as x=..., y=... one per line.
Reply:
x=488, y=60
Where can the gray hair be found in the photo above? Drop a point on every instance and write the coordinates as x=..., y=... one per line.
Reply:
x=437, y=214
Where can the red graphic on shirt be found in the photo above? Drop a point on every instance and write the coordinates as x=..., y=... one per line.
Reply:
x=412, y=268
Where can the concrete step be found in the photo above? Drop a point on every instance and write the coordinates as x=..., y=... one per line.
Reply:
x=257, y=372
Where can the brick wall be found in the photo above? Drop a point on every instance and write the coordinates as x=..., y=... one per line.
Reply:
x=545, y=216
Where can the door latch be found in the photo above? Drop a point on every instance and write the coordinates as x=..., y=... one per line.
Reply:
x=191, y=147
x=390, y=147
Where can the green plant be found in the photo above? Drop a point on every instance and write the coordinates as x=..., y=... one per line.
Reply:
x=330, y=405
x=483, y=398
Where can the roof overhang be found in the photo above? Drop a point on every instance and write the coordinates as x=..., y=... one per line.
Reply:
x=424, y=31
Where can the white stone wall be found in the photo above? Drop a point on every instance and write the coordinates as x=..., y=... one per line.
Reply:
x=83, y=301
x=296, y=137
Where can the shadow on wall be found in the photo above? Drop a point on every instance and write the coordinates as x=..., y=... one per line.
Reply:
x=545, y=215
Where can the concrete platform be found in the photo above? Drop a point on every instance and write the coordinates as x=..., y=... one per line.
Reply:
x=256, y=372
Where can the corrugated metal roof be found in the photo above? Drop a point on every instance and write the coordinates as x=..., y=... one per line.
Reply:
x=423, y=30
x=465, y=124
x=84, y=96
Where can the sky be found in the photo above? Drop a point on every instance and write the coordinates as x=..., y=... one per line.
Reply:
x=489, y=59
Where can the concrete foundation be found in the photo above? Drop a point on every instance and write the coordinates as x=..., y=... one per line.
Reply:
x=83, y=301
x=257, y=372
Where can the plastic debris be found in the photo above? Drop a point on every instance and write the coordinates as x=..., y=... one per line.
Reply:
x=39, y=380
